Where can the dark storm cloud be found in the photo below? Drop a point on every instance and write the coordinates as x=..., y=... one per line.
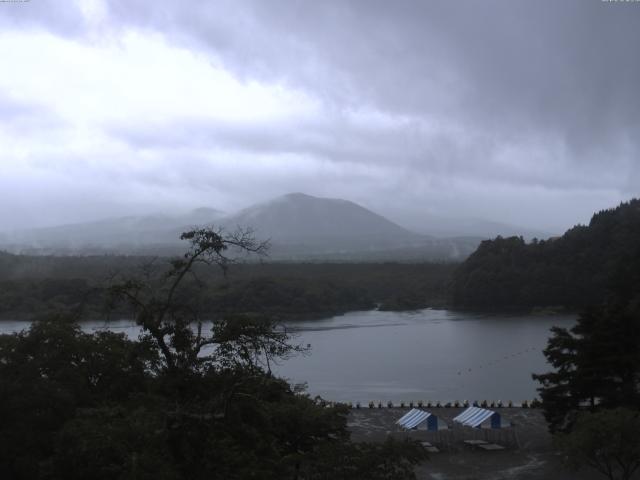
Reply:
x=480, y=104
x=564, y=69
x=403, y=146
x=507, y=68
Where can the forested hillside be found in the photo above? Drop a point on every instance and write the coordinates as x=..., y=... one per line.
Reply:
x=33, y=284
x=573, y=271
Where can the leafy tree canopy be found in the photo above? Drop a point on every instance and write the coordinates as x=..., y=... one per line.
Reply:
x=596, y=363
x=607, y=441
x=178, y=403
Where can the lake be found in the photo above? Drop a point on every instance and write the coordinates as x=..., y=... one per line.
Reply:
x=410, y=356
x=423, y=355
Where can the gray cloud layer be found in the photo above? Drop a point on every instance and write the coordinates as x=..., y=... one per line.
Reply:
x=521, y=111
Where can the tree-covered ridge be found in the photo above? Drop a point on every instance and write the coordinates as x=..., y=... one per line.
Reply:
x=573, y=271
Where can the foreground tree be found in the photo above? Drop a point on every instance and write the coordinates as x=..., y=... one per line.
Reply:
x=608, y=441
x=165, y=301
x=52, y=373
x=179, y=403
x=597, y=362
x=592, y=398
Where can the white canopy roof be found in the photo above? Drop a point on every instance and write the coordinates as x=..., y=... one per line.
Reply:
x=414, y=418
x=474, y=416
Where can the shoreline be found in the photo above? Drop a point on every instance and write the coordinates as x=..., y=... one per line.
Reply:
x=288, y=317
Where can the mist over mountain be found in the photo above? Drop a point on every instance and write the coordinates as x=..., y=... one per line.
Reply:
x=305, y=227
x=130, y=234
x=441, y=226
x=298, y=226
x=334, y=223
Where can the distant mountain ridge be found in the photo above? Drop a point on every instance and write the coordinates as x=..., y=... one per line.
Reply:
x=304, y=227
x=299, y=226
x=298, y=218
x=107, y=235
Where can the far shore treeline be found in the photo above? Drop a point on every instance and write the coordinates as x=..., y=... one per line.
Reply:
x=29, y=285
x=568, y=272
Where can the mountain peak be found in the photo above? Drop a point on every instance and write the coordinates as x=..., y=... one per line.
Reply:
x=298, y=218
x=205, y=211
x=305, y=198
x=298, y=196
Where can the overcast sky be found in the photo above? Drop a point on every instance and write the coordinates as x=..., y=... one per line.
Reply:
x=525, y=112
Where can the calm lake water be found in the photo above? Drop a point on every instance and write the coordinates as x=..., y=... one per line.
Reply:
x=410, y=356
x=423, y=355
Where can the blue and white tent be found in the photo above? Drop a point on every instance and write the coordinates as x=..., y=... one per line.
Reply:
x=477, y=417
x=419, y=419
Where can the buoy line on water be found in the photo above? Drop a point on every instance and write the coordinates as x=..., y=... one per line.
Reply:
x=498, y=361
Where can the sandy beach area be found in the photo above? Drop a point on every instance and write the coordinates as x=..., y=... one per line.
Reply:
x=528, y=453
